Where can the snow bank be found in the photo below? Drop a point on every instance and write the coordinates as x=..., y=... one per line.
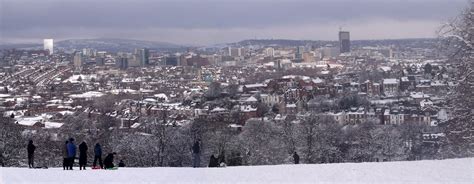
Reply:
x=433, y=171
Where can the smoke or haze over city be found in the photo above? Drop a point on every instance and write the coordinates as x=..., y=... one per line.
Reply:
x=211, y=21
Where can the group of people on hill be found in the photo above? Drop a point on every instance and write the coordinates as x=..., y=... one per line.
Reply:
x=69, y=152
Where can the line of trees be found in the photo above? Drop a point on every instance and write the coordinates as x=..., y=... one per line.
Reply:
x=317, y=138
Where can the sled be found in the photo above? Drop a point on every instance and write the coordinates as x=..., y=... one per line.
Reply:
x=113, y=168
x=95, y=168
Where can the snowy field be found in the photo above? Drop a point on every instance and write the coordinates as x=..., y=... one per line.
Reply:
x=436, y=171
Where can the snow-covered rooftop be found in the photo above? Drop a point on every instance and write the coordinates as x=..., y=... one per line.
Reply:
x=390, y=81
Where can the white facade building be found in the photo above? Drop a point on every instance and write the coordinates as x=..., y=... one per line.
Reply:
x=48, y=45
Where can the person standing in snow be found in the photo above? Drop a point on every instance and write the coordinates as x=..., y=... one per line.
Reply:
x=296, y=158
x=65, y=157
x=98, y=156
x=196, y=154
x=71, y=153
x=31, y=154
x=82, y=155
x=109, y=161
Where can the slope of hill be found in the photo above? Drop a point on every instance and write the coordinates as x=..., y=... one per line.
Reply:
x=428, y=171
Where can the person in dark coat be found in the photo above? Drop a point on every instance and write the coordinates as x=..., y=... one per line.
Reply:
x=296, y=158
x=71, y=153
x=109, y=161
x=213, y=162
x=31, y=154
x=65, y=157
x=196, y=154
x=98, y=156
x=121, y=163
x=83, y=155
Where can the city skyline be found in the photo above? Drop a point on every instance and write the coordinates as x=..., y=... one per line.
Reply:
x=236, y=91
x=212, y=22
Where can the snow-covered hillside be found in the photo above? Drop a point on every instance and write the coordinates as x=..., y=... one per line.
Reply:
x=436, y=171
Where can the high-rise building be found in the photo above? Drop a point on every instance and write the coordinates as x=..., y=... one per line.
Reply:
x=144, y=55
x=344, y=41
x=48, y=45
x=78, y=60
x=121, y=62
x=299, y=52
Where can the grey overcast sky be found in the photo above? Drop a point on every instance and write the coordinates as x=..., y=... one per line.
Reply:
x=219, y=21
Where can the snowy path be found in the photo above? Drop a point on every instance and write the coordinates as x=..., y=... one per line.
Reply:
x=436, y=171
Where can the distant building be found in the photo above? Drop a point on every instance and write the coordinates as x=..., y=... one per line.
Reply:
x=78, y=60
x=197, y=61
x=270, y=52
x=330, y=51
x=48, y=45
x=344, y=41
x=100, y=61
x=144, y=55
x=235, y=52
x=172, y=60
x=390, y=86
x=134, y=60
x=299, y=52
x=122, y=63
x=87, y=52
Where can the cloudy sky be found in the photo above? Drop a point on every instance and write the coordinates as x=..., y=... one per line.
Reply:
x=219, y=21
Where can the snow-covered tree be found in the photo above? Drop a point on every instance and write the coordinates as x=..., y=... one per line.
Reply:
x=262, y=143
x=458, y=41
x=389, y=143
x=12, y=144
x=359, y=142
x=319, y=138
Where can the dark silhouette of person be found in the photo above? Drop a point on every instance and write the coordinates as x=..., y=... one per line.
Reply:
x=296, y=158
x=98, y=156
x=65, y=157
x=213, y=161
x=71, y=153
x=83, y=155
x=109, y=161
x=121, y=164
x=196, y=154
x=31, y=154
